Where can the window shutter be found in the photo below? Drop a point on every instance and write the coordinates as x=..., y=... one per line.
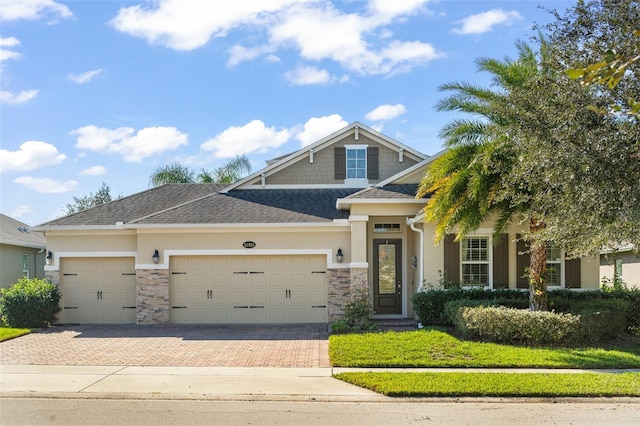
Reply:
x=572, y=276
x=340, y=162
x=452, y=258
x=372, y=162
x=501, y=262
x=522, y=263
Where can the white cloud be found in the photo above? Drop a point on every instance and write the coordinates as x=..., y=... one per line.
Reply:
x=252, y=137
x=46, y=185
x=132, y=147
x=358, y=41
x=84, y=77
x=317, y=128
x=386, y=112
x=7, y=97
x=6, y=53
x=485, y=21
x=306, y=76
x=190, y=24
x=93, y=171
x=30, y=156
x=20, y=211
x=12, y=10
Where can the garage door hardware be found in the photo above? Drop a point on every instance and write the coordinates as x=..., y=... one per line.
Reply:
x=128, y=307
x=178, y=273
x=209, y=294
x=319, y=306
x=178, y=307
x=248, y=307
x=128, y=273
x=70, y=307
x=247, y=272
x=318, y=272
x=70, y=275
x=99, y=295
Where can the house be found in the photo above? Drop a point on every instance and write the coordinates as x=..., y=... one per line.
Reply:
x=288, y=243
x=21, y=252
x=624, y=263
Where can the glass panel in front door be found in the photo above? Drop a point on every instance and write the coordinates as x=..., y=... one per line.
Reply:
x=387, y=268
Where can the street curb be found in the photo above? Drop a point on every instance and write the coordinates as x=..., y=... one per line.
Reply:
x=307, y=398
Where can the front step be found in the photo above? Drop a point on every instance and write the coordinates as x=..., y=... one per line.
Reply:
x=401, y=324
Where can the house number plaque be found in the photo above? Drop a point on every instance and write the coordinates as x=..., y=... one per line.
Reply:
x=248, y=244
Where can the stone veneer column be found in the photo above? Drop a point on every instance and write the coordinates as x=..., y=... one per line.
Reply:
x=152, y=287
x=53, y=277
x=341, y=284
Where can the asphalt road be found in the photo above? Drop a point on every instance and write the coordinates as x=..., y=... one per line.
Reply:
x=26, y=411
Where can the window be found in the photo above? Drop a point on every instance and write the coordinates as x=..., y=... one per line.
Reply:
x=386, y=227
x=356, y=162
x=25, y=265
x=554, y=266
x=617, y=277
x=475, y=261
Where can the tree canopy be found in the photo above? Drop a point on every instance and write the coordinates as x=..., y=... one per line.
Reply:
x=102, y=195
x=230, y=172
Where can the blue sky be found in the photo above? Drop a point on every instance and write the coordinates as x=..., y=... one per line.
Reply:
x=106, y=91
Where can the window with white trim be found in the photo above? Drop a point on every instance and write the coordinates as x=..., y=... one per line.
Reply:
x=554, y=265
x=475, y=259
x=386, y=227
x=356, y=162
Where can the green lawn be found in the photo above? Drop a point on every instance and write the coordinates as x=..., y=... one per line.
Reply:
x=7, y=333
x=435, y=348
x=497, y=384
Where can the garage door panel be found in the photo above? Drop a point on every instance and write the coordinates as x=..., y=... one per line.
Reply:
x=251, y=288
x=98, y=290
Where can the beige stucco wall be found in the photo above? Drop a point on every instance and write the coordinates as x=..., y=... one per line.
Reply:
x=630, y=268
x=308, y=238
x=97, y=241
x=321, y=171
x=11, y=264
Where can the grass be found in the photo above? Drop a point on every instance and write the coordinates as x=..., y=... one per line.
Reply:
x=7, y=333
x=498, y=384
x=435, y=348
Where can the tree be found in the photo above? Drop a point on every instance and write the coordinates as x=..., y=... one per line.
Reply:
x=102, y=195
x=467, y=182
x=229, y=172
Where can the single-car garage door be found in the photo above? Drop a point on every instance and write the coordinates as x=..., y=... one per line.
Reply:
x=248, y=289
x=98, y=290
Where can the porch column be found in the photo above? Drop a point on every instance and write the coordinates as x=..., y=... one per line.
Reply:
x=359, y=239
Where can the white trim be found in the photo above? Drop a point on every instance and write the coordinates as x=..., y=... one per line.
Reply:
x=359, y=265
x=346, y=185
x=201, y=226
x=356, y=146
x=359, y=218
x=411, y=169
x=488, y=262
x=57, y=256
x=346, y=203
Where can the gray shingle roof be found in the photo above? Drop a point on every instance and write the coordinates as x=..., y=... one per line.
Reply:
x=136, y=206
x=258, y=206
x=16, y=233
x=398, y=191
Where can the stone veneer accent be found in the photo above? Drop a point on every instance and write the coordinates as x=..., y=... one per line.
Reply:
x=152, y=286
x=341, y=284
x=53, y=277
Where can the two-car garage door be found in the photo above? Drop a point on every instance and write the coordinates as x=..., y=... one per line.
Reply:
x=248, y=289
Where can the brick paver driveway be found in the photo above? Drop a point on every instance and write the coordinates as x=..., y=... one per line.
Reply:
x=303, y=345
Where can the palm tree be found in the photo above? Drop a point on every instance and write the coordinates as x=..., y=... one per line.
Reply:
x=467, y=183
x=229, y=172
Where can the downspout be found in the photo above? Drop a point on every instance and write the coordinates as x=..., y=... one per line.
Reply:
x=411, y=223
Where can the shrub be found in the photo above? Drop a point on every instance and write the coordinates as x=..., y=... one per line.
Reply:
x=30, y=303
x=451, y=308
x=500, y=324
x=429, y=305
x=601, y=320
x=357, y=314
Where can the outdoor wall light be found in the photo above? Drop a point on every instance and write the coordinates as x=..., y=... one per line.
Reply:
x=49, y=258
x=339, y=255
x=156, y=256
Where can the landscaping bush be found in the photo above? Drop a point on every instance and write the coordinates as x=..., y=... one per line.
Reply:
x=451, y=308
x=429, y=305
x=601, y=320
x=508, y=325
x=357, y=314
x=30, y=303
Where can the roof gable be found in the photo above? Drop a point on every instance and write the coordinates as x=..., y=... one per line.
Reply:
x=16, y=233
x=317, y=159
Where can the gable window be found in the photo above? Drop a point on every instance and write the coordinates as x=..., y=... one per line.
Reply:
x=475, y=261
x=356, y=162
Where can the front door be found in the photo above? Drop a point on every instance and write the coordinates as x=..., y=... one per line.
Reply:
x=387, y=276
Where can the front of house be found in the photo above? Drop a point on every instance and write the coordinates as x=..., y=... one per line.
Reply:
x=287, y=244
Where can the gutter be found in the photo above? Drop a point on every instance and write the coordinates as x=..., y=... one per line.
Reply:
x=411, y=222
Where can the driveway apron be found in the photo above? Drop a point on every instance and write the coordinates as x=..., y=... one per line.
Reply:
x=291, y=345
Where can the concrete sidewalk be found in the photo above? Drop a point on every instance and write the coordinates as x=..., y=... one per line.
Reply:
x=214, y=383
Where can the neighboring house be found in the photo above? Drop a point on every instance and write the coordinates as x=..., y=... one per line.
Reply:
x=21, y=252
x=624, y=263
x=288, y=243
